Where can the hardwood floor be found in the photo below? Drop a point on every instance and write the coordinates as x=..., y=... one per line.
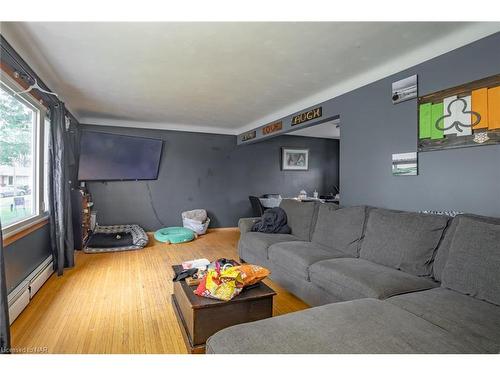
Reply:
x=120, y=302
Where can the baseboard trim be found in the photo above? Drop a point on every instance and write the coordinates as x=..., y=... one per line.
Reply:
x=223, y=229
x=20, y=297
x=17, y=307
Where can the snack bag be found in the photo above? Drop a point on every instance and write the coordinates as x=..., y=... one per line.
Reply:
x=221, y=284
x=252, y=274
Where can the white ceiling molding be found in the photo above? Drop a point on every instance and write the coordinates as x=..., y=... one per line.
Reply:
x=436, y=48
x=81, y=92
x=157, y=125
x=433, y=49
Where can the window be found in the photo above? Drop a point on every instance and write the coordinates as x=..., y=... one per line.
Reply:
x=22, y=154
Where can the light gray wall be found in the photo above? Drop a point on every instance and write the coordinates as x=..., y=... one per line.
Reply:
x=372, y=129
x=210, y=171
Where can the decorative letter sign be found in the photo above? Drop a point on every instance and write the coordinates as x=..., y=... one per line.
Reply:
x=307, y=116
x=248, y=136
x=272, y=128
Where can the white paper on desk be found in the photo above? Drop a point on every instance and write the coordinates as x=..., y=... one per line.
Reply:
x=195, y=263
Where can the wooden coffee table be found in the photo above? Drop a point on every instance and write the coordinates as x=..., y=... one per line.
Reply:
x=200, y=317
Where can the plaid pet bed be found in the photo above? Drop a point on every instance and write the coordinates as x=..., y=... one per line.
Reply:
x=139, y=238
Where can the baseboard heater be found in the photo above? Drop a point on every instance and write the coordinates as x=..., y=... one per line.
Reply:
x=20, y=297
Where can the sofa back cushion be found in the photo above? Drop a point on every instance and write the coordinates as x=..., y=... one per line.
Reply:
x=474, y=260
x=301, y=217
x=444, y=246
x=403, y=240
x=340, y=228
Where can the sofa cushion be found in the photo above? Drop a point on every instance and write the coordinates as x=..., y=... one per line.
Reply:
x=358, y=278
x=259, y=243
x=444, y=247
x=297, y=256
x=301, y=217
x=245, y=224
x=474, y=260
x=475, y=322
x=361, y=326
x=340, y=229
x=402, y=240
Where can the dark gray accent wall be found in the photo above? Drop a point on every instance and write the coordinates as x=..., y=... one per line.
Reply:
x=256, y=169
x=210, y=171
x=24, y=255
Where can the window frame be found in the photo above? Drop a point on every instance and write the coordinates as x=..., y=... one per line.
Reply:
x=11, y=86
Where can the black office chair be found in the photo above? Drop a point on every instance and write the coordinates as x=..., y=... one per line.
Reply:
x=257, y=207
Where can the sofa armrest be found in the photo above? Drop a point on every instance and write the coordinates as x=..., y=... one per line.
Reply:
x=245, y=224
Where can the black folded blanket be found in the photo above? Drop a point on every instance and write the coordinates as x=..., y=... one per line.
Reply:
x=272, y=221
x=105, y=240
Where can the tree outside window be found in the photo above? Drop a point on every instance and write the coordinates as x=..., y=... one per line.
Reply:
x=17, y=135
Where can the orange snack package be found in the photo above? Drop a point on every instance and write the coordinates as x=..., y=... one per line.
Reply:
x=252, y=274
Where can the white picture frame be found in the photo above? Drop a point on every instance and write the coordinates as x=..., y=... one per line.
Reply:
x=405, y=89
x=405, y=164
x=294, y=159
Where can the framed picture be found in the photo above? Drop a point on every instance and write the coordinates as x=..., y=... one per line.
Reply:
x=404, y=89
x=405, y=164
x=294, y=159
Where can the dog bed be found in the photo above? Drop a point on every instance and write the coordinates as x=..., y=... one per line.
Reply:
x=175, y=235
x=108, y=238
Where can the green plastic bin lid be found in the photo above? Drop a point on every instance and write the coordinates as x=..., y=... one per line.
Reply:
x=174, y=235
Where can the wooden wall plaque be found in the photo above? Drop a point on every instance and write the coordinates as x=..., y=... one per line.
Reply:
x=272, y=128
x=307, y=116
x=460, y=116
x=248, y=135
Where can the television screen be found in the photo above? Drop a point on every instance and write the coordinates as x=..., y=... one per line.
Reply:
x=105, y=156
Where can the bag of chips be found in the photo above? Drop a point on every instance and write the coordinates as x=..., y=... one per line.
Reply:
x=252, y=274
x=224, y=284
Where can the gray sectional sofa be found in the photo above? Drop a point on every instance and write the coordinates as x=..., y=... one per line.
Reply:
x=381, y=281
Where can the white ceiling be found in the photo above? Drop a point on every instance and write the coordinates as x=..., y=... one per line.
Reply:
x=220, y=77
x=329, y=129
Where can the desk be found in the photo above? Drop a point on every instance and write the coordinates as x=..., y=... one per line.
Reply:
x=275, y=202
x=312, y=199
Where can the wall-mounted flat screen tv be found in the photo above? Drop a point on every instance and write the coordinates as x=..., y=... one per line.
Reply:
x=111, y=157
